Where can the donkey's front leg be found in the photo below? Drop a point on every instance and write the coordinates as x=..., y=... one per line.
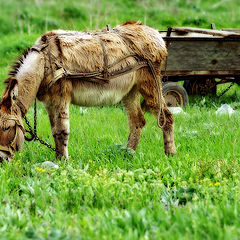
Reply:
x=59, y=119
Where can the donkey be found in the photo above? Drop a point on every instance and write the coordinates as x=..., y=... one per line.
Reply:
x=87, y=69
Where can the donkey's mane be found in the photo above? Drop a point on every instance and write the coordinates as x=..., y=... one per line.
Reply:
x=16, y=65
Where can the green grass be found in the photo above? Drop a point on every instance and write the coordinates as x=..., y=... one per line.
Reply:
x=102, y=192
x=40, y=15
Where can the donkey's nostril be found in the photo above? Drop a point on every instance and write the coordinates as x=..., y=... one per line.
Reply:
x=4, y=157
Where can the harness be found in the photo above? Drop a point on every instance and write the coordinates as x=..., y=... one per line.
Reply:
x=100, y=77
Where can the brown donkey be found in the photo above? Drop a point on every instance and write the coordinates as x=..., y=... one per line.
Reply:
x=87, y=69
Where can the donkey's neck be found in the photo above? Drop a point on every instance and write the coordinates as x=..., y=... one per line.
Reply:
x=29, y=77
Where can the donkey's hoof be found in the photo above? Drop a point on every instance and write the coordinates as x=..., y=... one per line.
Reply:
x=170, y=151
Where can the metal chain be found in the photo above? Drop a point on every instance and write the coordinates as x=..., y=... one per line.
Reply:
x=35, y=117
x=222, y=93
x=33, y=132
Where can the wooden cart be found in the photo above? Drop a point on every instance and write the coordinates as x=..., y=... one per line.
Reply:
x=202, y=58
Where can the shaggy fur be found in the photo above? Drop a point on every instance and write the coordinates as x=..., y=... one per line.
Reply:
x=82, y=52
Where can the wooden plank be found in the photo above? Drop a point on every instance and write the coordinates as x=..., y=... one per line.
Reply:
x=236, y=30
x=203, y=56
x=201, y=73
x=206, y=31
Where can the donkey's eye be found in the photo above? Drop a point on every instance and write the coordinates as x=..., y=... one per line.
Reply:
x=6, y=129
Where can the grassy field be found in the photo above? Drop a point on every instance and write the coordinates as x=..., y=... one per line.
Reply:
x=102, y=192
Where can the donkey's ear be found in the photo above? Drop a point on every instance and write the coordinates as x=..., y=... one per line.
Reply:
x=10, y=93
x=13, y=91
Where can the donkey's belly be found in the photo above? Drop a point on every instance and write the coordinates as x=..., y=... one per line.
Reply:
x=94, y=97
x=88, y=94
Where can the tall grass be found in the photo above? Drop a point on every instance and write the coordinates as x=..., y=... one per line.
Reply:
x=33, y=16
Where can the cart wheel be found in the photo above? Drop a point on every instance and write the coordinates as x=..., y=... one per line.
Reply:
x=175, y=95
x=200, y=87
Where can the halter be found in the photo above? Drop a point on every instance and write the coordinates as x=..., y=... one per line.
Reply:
x=13, y=145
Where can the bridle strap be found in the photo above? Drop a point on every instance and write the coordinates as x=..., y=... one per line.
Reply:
x=18, y=123
x=5, y=149
x=10, y=148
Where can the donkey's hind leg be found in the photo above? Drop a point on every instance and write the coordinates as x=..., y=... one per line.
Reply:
x=150, y=95
x=136, y=120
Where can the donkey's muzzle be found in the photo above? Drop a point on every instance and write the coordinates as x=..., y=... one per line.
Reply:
x=5, y=156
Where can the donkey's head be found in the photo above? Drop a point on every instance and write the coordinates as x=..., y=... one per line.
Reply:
x=11, y=126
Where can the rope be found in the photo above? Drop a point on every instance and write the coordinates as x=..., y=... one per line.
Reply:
x=159, y=95
x=105, y=60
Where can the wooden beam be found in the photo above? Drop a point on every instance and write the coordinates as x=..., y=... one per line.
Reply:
x=206, y=31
